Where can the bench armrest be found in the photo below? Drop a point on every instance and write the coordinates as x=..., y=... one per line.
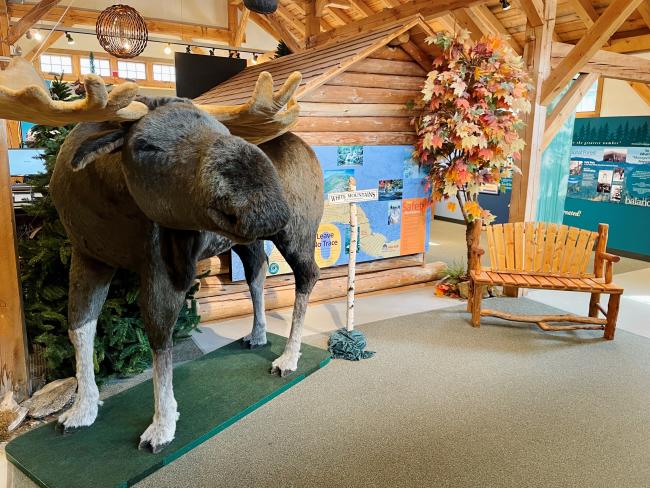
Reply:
x=612, y=258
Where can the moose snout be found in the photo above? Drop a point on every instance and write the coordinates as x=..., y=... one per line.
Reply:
x=264, y=217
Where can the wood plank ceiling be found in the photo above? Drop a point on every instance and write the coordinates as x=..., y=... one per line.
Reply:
x=573, y=18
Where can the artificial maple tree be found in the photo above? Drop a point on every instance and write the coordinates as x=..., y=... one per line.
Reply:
x=469, y=121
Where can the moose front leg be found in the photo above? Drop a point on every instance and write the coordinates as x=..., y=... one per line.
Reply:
x=89, y=282
x=160, y=304
x=306, y=272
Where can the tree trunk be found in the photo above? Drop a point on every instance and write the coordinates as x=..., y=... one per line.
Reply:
x=472, y=237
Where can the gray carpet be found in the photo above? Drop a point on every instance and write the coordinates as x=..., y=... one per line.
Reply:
x=443, y=404
x=446, y=405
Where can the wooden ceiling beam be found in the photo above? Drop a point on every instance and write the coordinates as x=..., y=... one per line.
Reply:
x=533, y=10
x=33, y=15
x=608, y=23
x=567, y=105
x=465, y=21
x=586, y=11
x=265, y=25
x=418, y=55
x=426, y=8
x=630, y=44
x=277, y=22
x=642, y=89
x=5, y=47
x=78, y=16
x=240, y=30
x=362, y=7
x=483, y=15
x=644, y=11
x=608, y=64
x=290, y=20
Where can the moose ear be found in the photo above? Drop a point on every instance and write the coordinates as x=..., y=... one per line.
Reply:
x=91, y=149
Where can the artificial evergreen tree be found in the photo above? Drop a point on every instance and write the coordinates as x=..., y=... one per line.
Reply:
x=121, y=347
x=282, y=50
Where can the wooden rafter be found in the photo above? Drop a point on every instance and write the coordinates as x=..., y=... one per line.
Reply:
x=285, y=34
x=585, y=11
x=5, y=48
x=632, y=44
x=466, y=21
x=567, y=105
x=287, y=19
x=608, y=23
x=533, y=9
x=607, y=64
x=78, y=16
x=642, y=89
x=362, y=7
x=240, y=30
x=644, y=11
x=33, y=15
x=426, y=8
x=483, y=15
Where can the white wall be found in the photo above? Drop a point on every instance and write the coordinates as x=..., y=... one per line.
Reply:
x=620, y=99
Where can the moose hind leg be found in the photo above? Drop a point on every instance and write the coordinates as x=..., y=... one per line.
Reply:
x=89, y=283
x=255, y=264
x=299, y=253
x=160, y=303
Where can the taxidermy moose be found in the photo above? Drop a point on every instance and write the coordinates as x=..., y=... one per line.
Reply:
x=155, y=184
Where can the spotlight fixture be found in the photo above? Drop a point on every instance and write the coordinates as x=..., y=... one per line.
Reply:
x=168, y=49
x=231, y=54
x=28, y=34
x=254, y=58
x=505, y=4
x=69, y=38
x=211, y=51
x=188, y=49
x=37, y=35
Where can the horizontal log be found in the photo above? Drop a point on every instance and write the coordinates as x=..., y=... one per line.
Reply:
x=315, y=109
x=358, y=138
x=223, y=285
x=351, y=94
x=395, y=82
x=543, y=318
x=215, y=265
x=608, y=64
x=386, y=67
x=391, y=53
x=353, y=124
x=240, y=304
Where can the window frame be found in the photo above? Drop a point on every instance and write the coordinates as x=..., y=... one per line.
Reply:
x=60, y=57
x=144, y=65
x=153, y=72
x=97, y=59
x=599, y=101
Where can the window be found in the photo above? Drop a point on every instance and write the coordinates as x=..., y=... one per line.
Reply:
x=51, y=63
x=164, y=72
x=589, y=106
x=102, y=66
x=129, y=69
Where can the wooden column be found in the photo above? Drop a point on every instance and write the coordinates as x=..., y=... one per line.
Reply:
x=13, y=345
x=537, y=54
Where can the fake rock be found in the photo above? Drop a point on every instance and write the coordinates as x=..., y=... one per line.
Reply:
x=51, y=398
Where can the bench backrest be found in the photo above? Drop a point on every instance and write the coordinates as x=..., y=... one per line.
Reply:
x=539, y=247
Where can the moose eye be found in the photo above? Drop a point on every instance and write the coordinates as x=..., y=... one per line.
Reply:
x=143, y=145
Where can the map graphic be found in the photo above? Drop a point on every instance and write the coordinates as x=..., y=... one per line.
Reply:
x=396, y=226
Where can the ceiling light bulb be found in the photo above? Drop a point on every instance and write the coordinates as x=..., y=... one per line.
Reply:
x=37, y=35
x=167, y=50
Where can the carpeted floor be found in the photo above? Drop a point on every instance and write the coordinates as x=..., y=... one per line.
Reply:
x=445, y=405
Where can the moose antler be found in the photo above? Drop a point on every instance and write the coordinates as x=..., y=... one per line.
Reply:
x=263, y=117
x=33, y=103
x=23, y=97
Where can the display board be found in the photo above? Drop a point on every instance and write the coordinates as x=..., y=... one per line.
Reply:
x=397, y=224
x=609, y=180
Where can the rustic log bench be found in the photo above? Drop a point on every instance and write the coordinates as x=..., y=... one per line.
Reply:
x=549, y=257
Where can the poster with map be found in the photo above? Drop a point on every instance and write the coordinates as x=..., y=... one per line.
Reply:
x=397, y=224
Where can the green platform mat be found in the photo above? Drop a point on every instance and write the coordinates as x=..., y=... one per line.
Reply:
x=212, y=392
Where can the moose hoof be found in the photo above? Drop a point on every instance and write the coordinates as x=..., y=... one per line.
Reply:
x=78, y=416
x=249, y=343
x=158, y=436
x=285, y=364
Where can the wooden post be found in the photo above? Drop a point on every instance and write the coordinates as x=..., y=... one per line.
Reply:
x=601, y=247
x=352, y=262
x=13, y=346
x=537, y=53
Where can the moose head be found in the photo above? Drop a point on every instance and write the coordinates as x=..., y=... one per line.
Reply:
x=183, y=167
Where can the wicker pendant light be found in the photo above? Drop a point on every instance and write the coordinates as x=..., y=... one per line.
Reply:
x=121, y=31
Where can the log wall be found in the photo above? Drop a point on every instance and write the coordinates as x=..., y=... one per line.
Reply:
x=366, y=104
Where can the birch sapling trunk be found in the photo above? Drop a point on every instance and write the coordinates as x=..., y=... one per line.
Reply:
x=352, y=263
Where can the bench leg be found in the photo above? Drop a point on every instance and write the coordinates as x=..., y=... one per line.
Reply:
x=593, y=304
x=476, y=298
x=470, y=295
x=612, y=315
